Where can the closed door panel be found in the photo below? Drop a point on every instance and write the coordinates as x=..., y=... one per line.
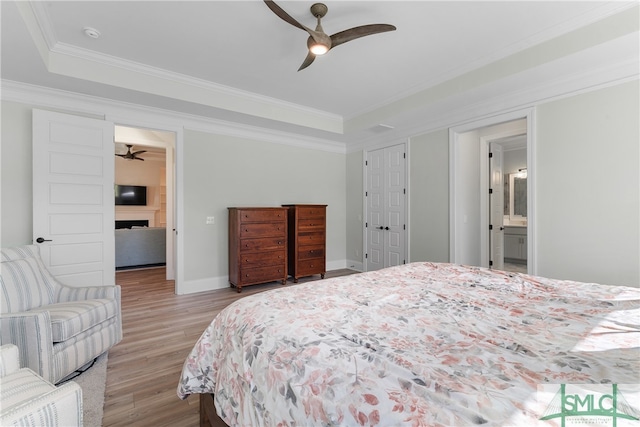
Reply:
x=386, y=205
x=73, y=199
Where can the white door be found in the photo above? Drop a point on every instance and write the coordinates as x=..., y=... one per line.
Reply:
x=386, y=206
x=73, y=198
x=375, y=211
x=496, y=207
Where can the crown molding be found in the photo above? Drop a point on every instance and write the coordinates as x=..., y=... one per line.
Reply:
x=134, y=114
x=72, y=61
x=597, y=14
x=495, y=100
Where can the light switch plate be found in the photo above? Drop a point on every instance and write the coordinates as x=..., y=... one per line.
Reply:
x=210, y=220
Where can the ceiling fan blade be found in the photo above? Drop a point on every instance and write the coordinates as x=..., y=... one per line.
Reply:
x=307, y=61
x=357, y=32
x=288, y=18
x=138, y=158
x=139, y=152
x=284, y=15
x=121, y=155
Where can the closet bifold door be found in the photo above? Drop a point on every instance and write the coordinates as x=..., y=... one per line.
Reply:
x=307, y=240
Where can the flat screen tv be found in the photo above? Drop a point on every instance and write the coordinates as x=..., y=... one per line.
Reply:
x=131, y=195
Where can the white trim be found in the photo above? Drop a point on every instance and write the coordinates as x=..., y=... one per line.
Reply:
x=529, y=115
x=453, y=156
x=532, y=195
x=437, y=116
x=222, y=282
x=365, y=219
x=126, y=112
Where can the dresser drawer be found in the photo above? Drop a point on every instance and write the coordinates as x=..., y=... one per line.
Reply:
x=262, y=259
x=263, y=229
x=311, y=238
x=261, y=274
x=305, y=212
x=263, y=244
x=311, y=266
x=258, y=215
x=309, y=252
x=309, y=224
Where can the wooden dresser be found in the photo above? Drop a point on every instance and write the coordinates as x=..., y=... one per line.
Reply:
x=307, y=240
x=257, y=246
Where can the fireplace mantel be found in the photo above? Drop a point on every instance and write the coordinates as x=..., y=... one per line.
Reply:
x=137, y=212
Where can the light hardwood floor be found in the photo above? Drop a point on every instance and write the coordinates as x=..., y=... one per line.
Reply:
x=160, y=328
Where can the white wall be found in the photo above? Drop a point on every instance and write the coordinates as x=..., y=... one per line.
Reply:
x=354, y=205
x=15, y=175
x=429, y=197
x=219, y=171
x=513, y=160
x=466, y=203
x=224, y=171
x=588, y=188
x=588, y=181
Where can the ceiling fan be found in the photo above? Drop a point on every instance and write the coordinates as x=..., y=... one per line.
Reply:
x=132, y=156
x=319, y=42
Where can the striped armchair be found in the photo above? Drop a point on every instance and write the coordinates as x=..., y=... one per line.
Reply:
x=56, y=328
x=26, y=399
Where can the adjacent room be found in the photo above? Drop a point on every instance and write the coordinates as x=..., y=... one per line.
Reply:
x=345, y=213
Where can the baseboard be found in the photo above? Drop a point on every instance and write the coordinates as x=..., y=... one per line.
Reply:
x=222, y=282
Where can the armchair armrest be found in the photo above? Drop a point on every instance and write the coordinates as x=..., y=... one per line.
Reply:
x=64, y=401
x=30, y=331
x=9, y=359
x=72, y=293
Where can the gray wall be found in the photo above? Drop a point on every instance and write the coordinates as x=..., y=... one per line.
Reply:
x=16, y=181
x=588, y=186
x=224, y=171
x=219, y=171
x=588, y=189
x=429, y=197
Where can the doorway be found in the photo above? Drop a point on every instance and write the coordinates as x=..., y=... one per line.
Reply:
x=155, y=171
x=471, y=183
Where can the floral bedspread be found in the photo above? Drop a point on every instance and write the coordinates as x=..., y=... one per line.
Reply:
x=419, y=344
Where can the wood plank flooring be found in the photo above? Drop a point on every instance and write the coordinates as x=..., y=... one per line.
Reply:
x=160, y=328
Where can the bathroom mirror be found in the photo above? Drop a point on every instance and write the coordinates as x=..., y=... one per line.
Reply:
x=515, y=197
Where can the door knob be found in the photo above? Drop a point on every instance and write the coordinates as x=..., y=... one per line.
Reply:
x=41, y=240
x=386, y=228
x=380, y=228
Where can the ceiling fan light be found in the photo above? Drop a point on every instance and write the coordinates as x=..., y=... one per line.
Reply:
x=319, y=49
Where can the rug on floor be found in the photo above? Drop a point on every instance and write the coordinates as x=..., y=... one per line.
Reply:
x=93, y=382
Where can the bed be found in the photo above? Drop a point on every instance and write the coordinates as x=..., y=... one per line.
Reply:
x=418, y=344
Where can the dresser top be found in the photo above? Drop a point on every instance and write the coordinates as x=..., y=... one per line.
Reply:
x=255, y=207
x=305, y=205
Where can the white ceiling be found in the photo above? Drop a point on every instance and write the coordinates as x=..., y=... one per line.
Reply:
x=236, y=61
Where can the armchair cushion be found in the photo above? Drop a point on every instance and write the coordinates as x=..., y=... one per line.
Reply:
x=24, y=286
x=69, y=319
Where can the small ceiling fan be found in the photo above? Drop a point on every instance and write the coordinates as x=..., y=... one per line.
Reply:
x=319, y=42
x=132, y=156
